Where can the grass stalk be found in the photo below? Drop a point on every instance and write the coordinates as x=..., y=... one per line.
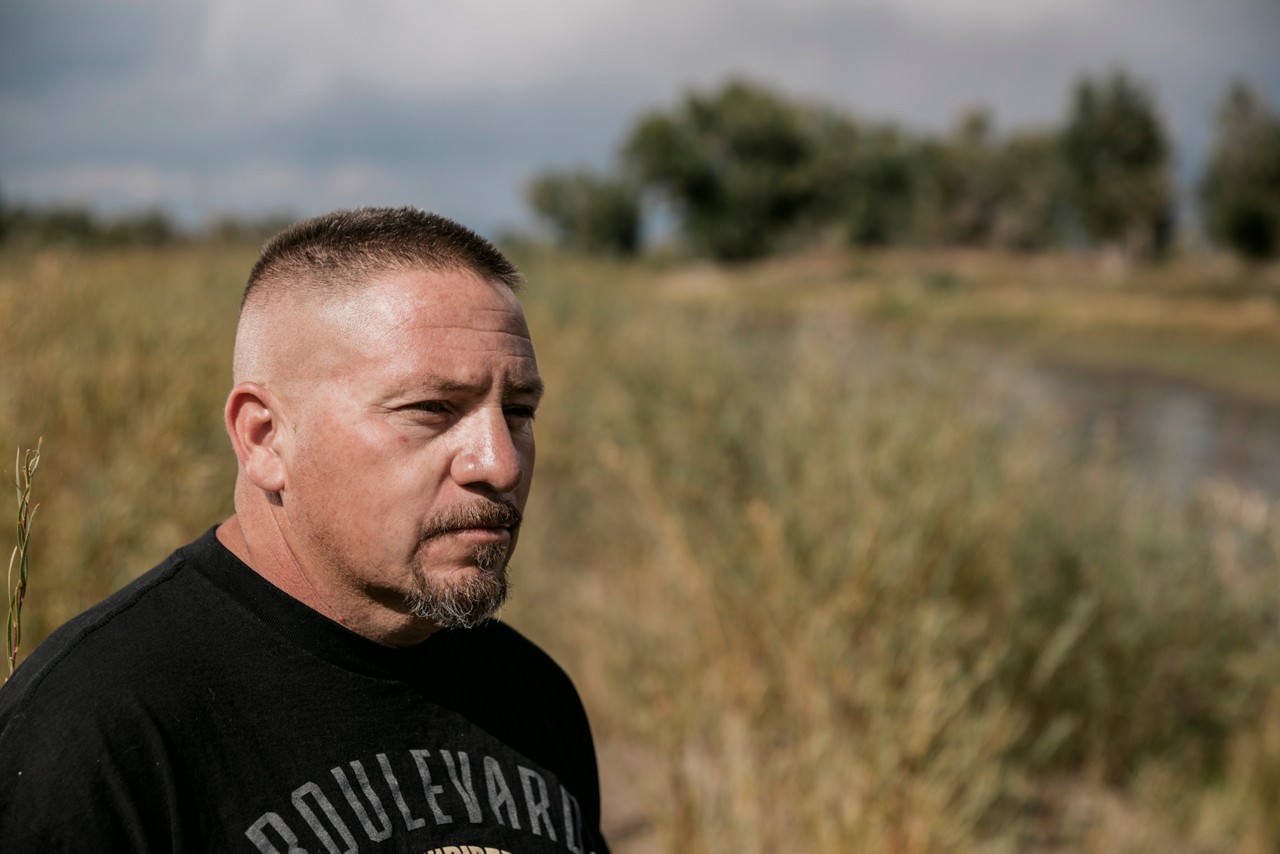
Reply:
x=25, y=469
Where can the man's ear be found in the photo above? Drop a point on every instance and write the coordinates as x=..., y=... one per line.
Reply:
x=254, y=424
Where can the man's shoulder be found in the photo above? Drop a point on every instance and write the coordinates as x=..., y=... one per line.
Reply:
x=86, y=721
x=502, y=646
x=501, y=636
x=124, y=639
x=500, y=671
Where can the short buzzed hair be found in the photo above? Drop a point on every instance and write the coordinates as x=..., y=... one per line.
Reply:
x=338, y=251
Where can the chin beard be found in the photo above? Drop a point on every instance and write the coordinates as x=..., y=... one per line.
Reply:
x=463, y=602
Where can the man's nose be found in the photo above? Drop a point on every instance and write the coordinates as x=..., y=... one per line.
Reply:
x=488, y=457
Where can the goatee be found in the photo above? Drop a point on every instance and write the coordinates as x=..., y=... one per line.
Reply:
x=452, y=602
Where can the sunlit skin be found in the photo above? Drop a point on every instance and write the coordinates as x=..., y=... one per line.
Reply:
x=366, y=417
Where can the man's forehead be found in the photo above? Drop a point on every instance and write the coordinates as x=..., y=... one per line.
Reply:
x=428, y=298
x=316, y=330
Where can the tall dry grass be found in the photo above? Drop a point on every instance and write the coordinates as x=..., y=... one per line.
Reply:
x=121, y=361
x=848, y=591
x=821, y=587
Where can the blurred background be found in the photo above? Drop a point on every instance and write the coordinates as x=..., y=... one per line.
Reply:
x=910, y=476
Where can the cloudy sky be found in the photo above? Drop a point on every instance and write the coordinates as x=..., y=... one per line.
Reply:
x=252, y=106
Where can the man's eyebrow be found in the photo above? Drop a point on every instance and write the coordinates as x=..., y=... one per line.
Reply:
x=444, y=385
x=532, y=386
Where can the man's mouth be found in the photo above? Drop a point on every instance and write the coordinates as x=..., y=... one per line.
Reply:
x=491, y=521
x=479, y=532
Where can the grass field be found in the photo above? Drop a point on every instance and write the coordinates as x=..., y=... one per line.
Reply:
x=824, y=581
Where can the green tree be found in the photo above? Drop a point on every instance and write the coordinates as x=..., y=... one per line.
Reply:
x=1031, y=192
x=738, y=167
x=1241, y=188
x=588, y=212
x=1117, y=159
x=969, y=188
x=955, y=200
x=880, y=203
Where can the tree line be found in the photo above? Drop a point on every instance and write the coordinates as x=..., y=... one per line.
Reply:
x=745, y=172
x=78, y=225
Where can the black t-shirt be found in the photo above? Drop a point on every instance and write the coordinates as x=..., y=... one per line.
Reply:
x=203, y=709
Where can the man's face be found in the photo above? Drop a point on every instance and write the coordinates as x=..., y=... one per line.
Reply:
x=410, y=443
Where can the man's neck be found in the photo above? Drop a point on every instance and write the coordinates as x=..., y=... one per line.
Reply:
x=271, y=558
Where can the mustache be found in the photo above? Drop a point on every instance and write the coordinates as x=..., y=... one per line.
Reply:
x=484, y=514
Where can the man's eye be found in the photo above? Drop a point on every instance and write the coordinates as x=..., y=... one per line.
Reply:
x=436, y=407
x=524, y=413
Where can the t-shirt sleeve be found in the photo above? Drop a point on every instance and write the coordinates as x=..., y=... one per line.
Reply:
x=81, y=770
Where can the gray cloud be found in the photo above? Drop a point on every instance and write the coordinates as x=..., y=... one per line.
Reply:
x=308, y=104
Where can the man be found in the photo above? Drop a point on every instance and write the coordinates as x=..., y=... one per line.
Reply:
x=319, y=672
